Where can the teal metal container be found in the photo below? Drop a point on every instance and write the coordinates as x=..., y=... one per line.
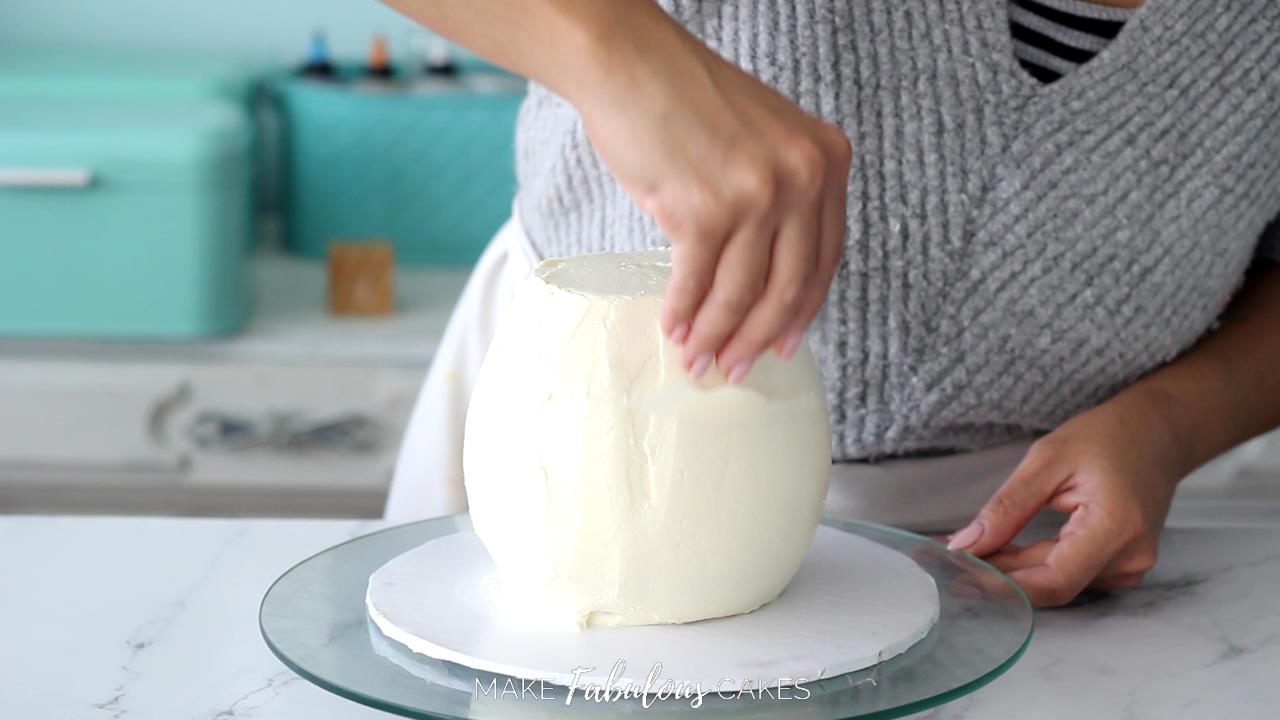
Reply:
x=430, y=169
x=97, y=76
x=123, y=219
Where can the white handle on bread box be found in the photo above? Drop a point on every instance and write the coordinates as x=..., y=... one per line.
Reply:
x=36, y=178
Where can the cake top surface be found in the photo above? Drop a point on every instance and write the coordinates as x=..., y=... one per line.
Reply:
x=620, y=275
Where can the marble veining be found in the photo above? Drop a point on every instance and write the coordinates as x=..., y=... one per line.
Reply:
x=254, y=701
x=153, y=629
x=157, y=618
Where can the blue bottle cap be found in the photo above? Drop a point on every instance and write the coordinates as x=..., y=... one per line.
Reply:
x=319, y=52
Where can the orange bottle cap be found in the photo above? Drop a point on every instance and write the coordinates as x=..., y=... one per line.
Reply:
x=379, y=57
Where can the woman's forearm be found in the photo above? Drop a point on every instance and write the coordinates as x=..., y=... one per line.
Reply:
x=570, y=46
x=1226, y=388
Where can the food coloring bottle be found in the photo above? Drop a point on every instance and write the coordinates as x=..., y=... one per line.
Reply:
x=379, y=66
x=318, y=65
x=440, y=60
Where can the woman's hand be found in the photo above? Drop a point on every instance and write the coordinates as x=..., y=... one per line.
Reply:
x=749, y=188
x=1113, y=470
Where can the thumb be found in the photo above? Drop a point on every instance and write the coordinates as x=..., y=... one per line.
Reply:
x=1012, y=506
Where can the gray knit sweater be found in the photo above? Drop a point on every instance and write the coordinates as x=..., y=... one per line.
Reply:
x=1016, y=252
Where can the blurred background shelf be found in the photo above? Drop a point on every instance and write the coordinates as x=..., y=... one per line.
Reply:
x=172, y=178
x=290, y=325
x=300, y=415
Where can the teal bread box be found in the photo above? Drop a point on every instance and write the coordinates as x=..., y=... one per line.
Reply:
x=123, y=219
x=431, y=170
x=97, y=76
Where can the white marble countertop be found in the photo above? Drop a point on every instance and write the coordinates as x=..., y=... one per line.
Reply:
x=157, y=618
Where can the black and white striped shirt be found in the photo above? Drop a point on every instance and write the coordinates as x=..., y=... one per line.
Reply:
x=1053, y=37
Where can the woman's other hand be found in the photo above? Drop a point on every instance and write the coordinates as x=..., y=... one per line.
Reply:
x=749, y=188
x=1113, y=470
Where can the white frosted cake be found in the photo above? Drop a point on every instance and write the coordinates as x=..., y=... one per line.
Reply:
x=608, y=486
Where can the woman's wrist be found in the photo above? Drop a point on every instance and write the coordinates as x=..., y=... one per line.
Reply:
x=1223, y=390
x=616, y=59
x=598, y=45
x=1174, y=425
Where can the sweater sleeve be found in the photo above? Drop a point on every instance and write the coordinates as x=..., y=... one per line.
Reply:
x=1269, y=243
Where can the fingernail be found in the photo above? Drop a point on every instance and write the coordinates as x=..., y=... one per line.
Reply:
x=967, y=536
x=700, y=365
x=679, y=333
x=793, y=342
x=739, y=372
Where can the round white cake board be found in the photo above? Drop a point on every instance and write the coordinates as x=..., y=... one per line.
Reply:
x=853, y=603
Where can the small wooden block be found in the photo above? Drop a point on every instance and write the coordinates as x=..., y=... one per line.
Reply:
x=362, y=278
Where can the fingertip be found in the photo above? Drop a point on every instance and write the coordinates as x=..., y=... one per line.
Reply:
x=739, y=372
x=1040, y=591
x=689, y=353
x=674, y=312
x=965, y=590
x=677, y=318
x=967, y=537
x=791, y=344
x=700, y=365
x=679, y=333
x=779, y=345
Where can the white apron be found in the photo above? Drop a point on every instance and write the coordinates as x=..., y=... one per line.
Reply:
x=937, y=494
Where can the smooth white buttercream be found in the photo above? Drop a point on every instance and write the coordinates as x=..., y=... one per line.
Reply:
x=612, y=489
